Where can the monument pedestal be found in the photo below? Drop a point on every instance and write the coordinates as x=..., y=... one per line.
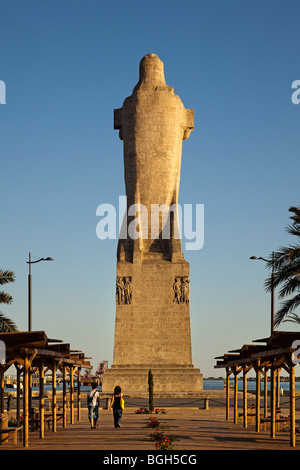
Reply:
x=168, y=379
x=152, y=329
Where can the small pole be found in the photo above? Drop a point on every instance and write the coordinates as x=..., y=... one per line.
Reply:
x=54, y=409
x=25, y=402
x=292, y=406
x=71, y=394
x=245, y=405
x=42, y=401
x=272, y=296
x=64, y=396
x=79, y=396
x=273, y=401
x=227, y=394
x=235, y=395
x=29, y=296
x=257, y=415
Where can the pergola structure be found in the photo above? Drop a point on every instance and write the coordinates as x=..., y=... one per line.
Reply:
x=277, y=352
x=33, y=353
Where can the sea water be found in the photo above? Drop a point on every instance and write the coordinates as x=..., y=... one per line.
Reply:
x=251, y=385
x=207, y=385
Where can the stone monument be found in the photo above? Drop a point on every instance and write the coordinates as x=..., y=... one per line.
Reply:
x=152, y=326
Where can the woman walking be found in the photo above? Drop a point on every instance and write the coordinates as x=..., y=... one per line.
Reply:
x=117, y=404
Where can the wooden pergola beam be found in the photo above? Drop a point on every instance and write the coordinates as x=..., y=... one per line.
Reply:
x=277, y=354
x=29, y=352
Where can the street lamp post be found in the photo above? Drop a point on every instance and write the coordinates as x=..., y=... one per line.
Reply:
x=272, y=289
x=30, y=288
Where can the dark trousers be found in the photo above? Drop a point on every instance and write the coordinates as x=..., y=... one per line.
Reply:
x=117, y=417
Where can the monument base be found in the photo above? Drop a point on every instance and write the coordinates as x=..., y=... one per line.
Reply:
x=133, y=379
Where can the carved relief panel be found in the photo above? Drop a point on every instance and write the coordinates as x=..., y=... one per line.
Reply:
x=181, y=289
x=123, y=290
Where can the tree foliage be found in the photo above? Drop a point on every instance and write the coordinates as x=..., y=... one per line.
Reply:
x=150, y=388
x=6, y=324
x=286, y=264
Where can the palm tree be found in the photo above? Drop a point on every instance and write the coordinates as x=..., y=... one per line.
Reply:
x=6, y=324
x=286, y=263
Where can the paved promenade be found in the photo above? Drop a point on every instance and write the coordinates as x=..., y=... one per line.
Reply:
x=195, y=429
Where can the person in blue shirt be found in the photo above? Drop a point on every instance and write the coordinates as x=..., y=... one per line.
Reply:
x=93, y=401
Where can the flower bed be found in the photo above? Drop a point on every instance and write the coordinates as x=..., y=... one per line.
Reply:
x=142, y=411
x=146, y=411
x=164, y=444
x=153, y=423
x=162, y=441
x=12, y=422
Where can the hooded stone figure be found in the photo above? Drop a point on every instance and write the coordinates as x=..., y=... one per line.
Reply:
x=152, y=124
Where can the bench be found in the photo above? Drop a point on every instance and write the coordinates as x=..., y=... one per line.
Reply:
x=251, y=413
x=10, y=430
x=281, y=423
x=251, y=417
x=49, y=418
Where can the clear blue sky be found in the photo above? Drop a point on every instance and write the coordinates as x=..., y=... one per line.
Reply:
x=66, y=65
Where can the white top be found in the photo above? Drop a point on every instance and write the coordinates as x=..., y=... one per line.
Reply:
x=95, y=395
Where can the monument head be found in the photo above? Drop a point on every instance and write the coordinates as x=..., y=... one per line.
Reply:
x=151, y=71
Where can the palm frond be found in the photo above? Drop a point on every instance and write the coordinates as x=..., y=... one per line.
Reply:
x=293, y=230
x=289, y=287
x=284, y=256
x=5, y=298
x=296, y=217
x=286, y=308
x=6, y=324
x=6, y=276
x=292, y=317
x=284, y=275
